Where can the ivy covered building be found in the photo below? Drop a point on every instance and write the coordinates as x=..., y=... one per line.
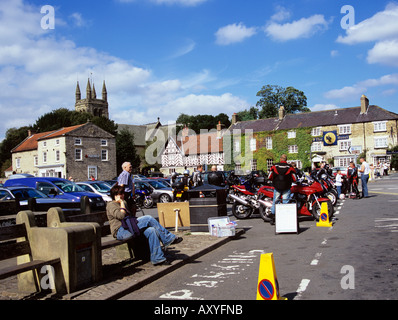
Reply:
x=335, y=136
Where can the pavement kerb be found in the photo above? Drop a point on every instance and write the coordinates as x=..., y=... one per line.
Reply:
x=121, y=290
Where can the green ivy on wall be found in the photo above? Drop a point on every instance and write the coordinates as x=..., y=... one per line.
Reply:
x=280, y=145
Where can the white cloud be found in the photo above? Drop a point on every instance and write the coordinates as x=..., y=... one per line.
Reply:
x=303, y=28
x=282, y=14
x=38, y=73
x=234, y=33
x=351, y=93
x=381, y=28
x=384, y=52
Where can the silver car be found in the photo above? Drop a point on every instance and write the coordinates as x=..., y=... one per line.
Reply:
x=160, y=192
x=99, y=187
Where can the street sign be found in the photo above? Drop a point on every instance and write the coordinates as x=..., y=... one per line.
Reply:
x=266, y=289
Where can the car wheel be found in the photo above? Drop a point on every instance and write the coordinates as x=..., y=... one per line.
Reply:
x=164, y=198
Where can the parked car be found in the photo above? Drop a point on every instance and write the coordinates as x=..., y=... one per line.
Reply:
x=99, y=187
x=43, y=202
x=160, y=192
x=59, y=188
x=342, y=169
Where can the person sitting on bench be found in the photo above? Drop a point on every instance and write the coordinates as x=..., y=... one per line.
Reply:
x=116, y=211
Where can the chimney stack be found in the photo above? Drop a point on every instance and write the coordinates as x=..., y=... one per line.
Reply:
x=234, y=118
x=281, y=112
x=364, y=104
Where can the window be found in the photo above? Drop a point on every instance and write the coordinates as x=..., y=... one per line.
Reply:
x=57, y=142
x=104, y=155
x=253, y=144
x=345, y=129
x=35, y=161
x=44, y=143
x=238, y=167
x=293, y=149
x=298, y=163
x=104, y=143
x=344, y=161
x=78, y=142
x=92, y=172
x=270, y=163
x=380, y=126
x=291, y=134
x=344, y=145
x=44, y=157
x=78, y=155
x=253, y=164
x=315, y=132
x=268, y=143
x=57, y=156
x=316, y=146
x=381, y=142
x=18, y=163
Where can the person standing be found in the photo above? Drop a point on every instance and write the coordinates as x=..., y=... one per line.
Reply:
x=125, y=180
x=365, y=170
x=282, y=176
x=339, y=183
x=197, y=176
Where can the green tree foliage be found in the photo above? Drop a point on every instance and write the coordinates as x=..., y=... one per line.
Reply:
x=246, y=115
x=125, y=150
x=272, y=97
x=205, y=122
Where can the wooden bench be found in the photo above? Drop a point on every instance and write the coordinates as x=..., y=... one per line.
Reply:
x=12, y=246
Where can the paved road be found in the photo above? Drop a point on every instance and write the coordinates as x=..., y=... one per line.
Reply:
x=355, y=259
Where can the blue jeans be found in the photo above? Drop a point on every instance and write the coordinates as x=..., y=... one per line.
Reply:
x=338, y=191
x=155, y=233
x=284, y=196
x=364, y=180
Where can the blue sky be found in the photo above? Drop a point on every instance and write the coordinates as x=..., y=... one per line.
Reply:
x=160, y=58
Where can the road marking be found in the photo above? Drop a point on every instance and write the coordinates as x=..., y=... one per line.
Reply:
x=316, y=260
x=388, y=193
x=325, y=241
x=302, y=287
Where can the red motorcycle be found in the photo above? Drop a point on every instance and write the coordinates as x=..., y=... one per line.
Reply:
x=309, y=198
x=245, y=195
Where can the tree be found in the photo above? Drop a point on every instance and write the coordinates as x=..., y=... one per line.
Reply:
x=273, y=96
x=125, y=150
x=203, y=122
x=246, y=115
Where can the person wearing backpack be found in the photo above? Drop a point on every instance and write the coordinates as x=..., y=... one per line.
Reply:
x=282, y=176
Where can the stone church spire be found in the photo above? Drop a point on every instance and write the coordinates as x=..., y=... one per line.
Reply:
x=78, y=93
x=104, y=92
x=88, y=90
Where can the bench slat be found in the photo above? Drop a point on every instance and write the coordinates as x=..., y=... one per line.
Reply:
x=12, y=232
x=12, y=250
x=36, y=264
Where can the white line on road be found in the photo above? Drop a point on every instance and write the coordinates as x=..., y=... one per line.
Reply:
x=316, y=260
x=302, y=287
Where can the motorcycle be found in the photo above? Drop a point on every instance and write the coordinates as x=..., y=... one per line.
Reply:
x=143, y=197
x=245, y=196
x=309, y=199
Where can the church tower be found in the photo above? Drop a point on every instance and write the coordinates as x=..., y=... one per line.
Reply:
x=97, y=107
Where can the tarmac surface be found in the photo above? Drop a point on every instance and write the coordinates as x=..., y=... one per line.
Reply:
x=122, y=276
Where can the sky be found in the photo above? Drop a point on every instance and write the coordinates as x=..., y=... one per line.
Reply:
x=161, y=58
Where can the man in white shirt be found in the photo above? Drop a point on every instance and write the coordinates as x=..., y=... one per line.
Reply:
x=365, y=170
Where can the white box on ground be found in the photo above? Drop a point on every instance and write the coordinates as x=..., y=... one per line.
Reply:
x=221, y=227
x=286, y=218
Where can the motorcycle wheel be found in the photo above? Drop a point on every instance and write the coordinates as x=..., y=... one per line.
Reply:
x=316, y=210
x=265, y=213
x=148, y=203
x=332, y=195
x=241, y=211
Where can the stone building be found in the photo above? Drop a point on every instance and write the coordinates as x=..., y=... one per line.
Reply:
x=335, y=136
x=79, y=152
x=97, y=107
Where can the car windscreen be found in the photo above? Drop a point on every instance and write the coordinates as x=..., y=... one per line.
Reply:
x=101, y=186
x=68, y=186
x=26, y=193
x=156, y=184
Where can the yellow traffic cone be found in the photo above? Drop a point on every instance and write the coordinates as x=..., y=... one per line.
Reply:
x=268, y=286
x=324, y=217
